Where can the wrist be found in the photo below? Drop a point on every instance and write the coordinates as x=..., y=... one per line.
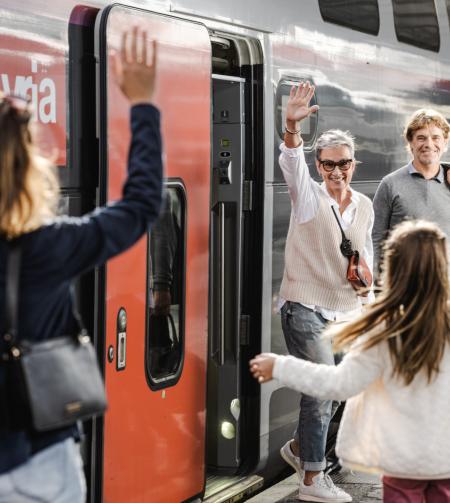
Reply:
x=292, y=132
x=292, y=124
x=140, y=101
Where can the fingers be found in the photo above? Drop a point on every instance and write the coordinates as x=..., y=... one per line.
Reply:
x=154, y=53
x=256, y=368
x=123, y=48
x=258, y=373
x=144, y=47
x=303, y=92
x=309, y=92
x=134, y=50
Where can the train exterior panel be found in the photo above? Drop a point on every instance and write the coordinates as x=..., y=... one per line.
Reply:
x=184, y=408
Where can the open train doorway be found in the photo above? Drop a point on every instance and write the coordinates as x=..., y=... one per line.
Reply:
x=237, y=183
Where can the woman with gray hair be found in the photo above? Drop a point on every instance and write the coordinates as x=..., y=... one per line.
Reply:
x=315, y=289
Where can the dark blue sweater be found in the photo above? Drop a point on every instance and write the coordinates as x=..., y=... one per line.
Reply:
x=55, y=254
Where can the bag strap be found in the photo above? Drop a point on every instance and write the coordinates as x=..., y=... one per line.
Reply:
x=76, y=313
x=12, y=297
x=346, y=245
x=12, y=292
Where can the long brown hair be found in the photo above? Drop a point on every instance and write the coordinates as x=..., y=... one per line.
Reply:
x=28, y=185
x=412, y=311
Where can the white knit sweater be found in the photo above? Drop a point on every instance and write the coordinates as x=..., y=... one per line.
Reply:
x=387, y=427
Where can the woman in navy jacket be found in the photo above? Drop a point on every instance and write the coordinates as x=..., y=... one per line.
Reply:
x=47, y=466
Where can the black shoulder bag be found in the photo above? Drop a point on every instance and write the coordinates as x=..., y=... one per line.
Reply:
x=53, y=383
x=358, y=272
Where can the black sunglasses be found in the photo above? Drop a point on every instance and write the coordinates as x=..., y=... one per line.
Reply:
x=329, y=166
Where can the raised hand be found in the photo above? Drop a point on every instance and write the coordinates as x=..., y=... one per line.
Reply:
x=135, y=73
x=262, y=366
x=298, y=107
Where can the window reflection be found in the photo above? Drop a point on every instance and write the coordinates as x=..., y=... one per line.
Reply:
x=165, y=296
x=361, y=15
x=416, y=23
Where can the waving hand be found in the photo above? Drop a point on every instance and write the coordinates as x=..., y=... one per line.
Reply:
x=298, y=103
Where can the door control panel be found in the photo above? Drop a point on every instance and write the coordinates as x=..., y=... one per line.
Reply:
x=121, y=339
x=224, y=168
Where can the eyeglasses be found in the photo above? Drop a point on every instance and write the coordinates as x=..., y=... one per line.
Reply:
x=329, y=166
x=20, y=105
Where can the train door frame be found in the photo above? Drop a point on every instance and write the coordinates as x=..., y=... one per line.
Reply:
x=83, y=151
x=240, y=413
x=193, y=169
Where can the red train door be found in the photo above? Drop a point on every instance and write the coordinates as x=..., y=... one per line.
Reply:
x=155, y=367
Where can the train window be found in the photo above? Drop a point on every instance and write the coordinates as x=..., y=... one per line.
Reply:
x=309, y=125
x=361, y=15
x=165, y=296
x=416, y=23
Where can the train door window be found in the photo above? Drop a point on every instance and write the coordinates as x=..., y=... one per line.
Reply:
x=361, y=15
x=165, y=292
x=416, y=23
x=309, y=125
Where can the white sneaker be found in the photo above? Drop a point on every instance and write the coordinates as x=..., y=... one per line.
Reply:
x=323, y=490
x=292, y=459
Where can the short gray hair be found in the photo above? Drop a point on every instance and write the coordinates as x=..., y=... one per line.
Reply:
x=335, y=138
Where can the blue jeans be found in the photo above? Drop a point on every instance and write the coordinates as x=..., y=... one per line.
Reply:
x=302, y=329
x=53, y=475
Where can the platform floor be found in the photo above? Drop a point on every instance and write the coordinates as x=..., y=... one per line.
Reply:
x=364, y=488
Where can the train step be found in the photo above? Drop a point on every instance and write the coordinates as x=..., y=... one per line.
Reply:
x=220, y=489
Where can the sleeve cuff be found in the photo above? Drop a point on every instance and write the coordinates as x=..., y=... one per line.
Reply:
x=292, y=152
x=140, y=109
x=277, y=371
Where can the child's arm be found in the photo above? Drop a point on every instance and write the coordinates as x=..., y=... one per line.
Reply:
x=357, y=370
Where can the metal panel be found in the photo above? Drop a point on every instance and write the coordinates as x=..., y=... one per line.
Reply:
x=226, y=265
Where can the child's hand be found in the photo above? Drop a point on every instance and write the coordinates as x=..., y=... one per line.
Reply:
x=262, y=366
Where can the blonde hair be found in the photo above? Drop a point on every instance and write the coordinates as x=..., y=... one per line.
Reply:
x=29, y=188
x=423, y=118
x=412, y=311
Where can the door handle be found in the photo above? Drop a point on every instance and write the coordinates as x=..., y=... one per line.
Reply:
x=221, y=284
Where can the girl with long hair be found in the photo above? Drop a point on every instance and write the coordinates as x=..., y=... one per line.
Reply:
x=46, y=466
x=395, y=375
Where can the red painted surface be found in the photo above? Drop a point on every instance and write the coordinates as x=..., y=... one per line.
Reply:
x=34, y=66
x=154, y=445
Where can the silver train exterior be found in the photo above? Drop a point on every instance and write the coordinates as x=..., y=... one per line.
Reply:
x=366, y=83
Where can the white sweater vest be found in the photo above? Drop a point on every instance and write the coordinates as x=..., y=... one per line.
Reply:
x=315, y=270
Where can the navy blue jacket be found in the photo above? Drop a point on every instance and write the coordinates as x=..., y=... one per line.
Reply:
x=55, y=254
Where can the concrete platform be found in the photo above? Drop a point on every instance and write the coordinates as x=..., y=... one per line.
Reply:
x=363, y=487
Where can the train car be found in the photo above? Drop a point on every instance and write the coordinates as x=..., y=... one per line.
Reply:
x=185, y=420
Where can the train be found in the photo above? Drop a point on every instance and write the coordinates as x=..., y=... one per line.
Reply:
x=186, y=422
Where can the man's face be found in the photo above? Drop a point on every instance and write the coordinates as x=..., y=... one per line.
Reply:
x=427, y=145
x=338, y=178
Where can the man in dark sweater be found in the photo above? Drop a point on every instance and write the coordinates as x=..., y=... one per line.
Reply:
x=420, y=189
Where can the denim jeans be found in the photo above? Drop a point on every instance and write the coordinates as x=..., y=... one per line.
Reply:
x=302, y=330
x=53, y=475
